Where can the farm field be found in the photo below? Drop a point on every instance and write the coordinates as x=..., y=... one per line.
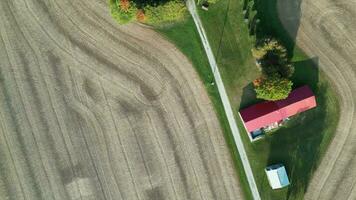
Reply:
x=193, y=49
x=93, y=110
x=303, y=142
x=326, y=30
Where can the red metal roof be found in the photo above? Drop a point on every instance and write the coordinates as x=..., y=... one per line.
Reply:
x=266, y=113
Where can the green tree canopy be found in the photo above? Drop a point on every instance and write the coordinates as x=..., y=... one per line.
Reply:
x=266, y=45
x=273, y=88
x=171, y=11
x=276, y=69
x=123, y=11
x=153, y=12
x=273, y=58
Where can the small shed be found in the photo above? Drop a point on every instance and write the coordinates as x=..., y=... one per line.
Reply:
x=277, y=176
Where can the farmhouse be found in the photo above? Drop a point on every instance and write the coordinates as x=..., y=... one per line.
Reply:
x=268, y=115
x=277, y=176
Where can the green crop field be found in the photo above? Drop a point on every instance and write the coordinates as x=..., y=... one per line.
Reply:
x=302, y=142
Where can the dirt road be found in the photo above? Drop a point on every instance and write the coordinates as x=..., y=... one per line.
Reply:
x=91, y=110
x=327, y=29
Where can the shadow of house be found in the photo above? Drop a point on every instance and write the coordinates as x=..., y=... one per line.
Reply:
x=300, y=153
x=299, y=143
x=306, y=73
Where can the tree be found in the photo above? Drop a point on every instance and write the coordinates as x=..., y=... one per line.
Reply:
x=124, y=5
x=273, y=88
x=276, y=69
x=166, y=13
x=123, y=11
x=153, y=12
x=285, y=70
x=140, y=15
x=268, y=45
x=270, y=51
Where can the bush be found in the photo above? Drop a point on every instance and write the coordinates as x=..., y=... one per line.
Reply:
x=268, y=45
x=140, y=16
x=123, y=11
x=273, y=88
x=165, y=13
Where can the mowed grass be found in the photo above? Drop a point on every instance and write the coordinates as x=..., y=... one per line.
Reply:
x=230, y=41
x=186, y=38
x=303, y=141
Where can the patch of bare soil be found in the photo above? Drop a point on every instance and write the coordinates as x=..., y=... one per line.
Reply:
x=92, y=110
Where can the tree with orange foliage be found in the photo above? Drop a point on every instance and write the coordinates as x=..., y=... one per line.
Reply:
x=153, y=12
x=125, y=5
x=257, y=82
x=140, y=15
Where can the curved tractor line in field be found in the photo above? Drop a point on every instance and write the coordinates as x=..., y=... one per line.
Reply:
x=93, y=110
x=327, y=29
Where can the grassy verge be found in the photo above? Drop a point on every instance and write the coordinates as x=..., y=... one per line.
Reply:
x=303, y=141
x=193, y=49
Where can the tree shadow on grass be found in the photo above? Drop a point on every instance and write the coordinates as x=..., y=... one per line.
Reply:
x=271, y=26
x=248, y=97
x=297, y=145
x=306, y=73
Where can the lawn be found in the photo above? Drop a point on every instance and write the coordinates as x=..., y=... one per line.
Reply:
x=193, y=49
x=303, y=141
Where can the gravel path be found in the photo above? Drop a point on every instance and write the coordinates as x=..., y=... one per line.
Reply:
x=327, y=29
x=91, y=110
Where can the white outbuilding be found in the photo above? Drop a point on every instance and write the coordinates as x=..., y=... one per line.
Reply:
x=277, y=176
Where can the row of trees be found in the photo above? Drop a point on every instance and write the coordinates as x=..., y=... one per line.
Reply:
x=150, y=12
x=274, y=83
x=250, y=16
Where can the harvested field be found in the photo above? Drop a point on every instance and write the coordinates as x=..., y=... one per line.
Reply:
x=91, y=110
x=326, y=29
